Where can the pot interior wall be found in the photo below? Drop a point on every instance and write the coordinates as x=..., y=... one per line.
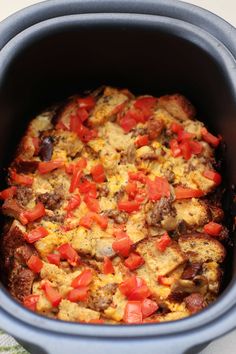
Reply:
x=146, y=60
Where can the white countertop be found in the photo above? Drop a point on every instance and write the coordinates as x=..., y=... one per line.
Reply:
x=223, y=8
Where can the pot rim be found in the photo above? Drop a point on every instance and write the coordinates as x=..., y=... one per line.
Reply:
x=227, y=301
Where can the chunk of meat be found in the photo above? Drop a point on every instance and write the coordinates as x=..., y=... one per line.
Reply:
x=160, y=209
x=25, y=166
x=51, y=201
x=195, y=302
x=12, y=208
x=178, y=106
x=191, y=270
x=101, y=299
x=20, y=282
x=120, y=217
x=154, y=128
x=24, y=195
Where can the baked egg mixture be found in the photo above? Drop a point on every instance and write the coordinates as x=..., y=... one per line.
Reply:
x=113, y=213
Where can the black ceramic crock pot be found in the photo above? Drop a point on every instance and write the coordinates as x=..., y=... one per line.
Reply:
x=56, y=48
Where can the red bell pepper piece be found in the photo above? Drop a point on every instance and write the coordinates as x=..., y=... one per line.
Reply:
x=134, y=261
x=213, y=175
x=163, y=242
x=134, y=288
x=82, y=114
x=185, y=149
x=21, y=179
x=131, y=189
x=31, y=215
x=68, y=253
x=128, y=205
x=196, y=147
x=77, y=173
x=148, y=307
x=142, y=140
x=78, y=294
x=175, y=148
x=213, y=228
x=186, y=193
x=49, y=166
x=158, y=188
x=176, y=127
x=36, y=234
x=86, y=221
x=8, y=193
x=210, y=138
x=98, y=173
x=84, y=279
x=122, y=244
x=35, y=264
x=30, y=302
x=133, y=312
x=89, y=188
x=86, y=102
x=127, y=286
x=54, y=258
x=107, y=266
x=184, y=136
x=73, y=203
x=92, y=203
x=145, y=103
x=101, y=220
x=52, y=294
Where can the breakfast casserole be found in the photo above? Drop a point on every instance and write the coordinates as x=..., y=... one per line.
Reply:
x=113, y=211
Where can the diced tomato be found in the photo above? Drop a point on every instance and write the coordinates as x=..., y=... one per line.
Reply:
x=36, y=234
x=185, y=150
x=166, y=281
x=142, y=140
x=213, y=228
x=77, y=173
x=92, y=203
x=54, y=258
x=86, y=134
x=8, y=193
x=75, y=123
x=184, y=136
x=78, y=294
x=127, y=123
x=89, y=188
x=81, y=163
x=149, y=307
x=48, y=166
x=186, y=193
x=82, y=114
x=122, y=244
x=86, y=221
x=140, y=293
x=68, y=253
x=21, y=179
x=73, y=203
x=31, y=215
x=84, y=279
x=163, y=242
x=101, y=220
x=52, y=294
x=158, y=188
x=134, y=261
x=137, y=176
x=210, y=138
x=86, y=102
x=98, y=173
x=108, y=266
x=61, y=125
x=145, y=103
x=196, y=147
x=176, y=127
x=131, y=189
x=133, y=312
x=30, y=302
x=175, y=148
x=128, y=205
x=213, y=175
x=35, y=264
x=127, y=286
